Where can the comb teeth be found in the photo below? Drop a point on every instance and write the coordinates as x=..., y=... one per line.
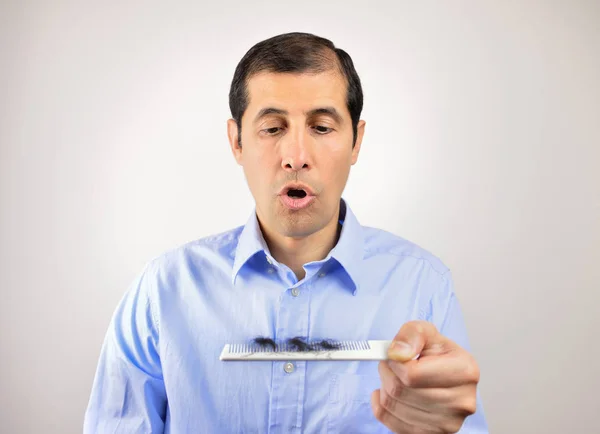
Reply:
x=285, y=348
x=354, y=345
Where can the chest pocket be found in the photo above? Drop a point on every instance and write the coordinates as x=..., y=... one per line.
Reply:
x=349, y=405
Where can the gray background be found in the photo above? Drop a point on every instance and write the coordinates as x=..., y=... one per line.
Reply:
x=482, y=145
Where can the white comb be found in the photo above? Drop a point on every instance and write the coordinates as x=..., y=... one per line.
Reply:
x=347, y=350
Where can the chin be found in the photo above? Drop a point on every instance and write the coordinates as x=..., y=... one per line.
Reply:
x=297, y=229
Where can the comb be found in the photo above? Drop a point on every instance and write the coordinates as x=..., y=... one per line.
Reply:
x=346, y=350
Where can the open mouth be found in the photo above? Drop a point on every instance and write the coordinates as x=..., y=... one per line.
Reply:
x=296, y=197
x=296, y=193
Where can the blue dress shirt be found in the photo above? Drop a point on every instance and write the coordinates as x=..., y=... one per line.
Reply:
x=159, y=368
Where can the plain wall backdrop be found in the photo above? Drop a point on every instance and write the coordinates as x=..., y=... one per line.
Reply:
x=482, y=145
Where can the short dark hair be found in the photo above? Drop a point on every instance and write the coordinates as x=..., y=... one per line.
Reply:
x=294, y=52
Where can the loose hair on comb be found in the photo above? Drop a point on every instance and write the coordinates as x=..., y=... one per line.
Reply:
x=298, y=343
x=265, y=342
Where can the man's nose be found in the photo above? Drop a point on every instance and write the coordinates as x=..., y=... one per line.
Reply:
x=295, y=150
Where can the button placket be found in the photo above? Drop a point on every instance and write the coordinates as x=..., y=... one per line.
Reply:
x=292, y=320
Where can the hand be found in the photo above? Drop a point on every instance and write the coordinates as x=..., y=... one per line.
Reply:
x=431, y=394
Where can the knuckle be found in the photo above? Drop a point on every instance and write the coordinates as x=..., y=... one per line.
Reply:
x=465, y=407
x=395, y=388
x=472, y=371
x=379, y=413
x=386, y=401
x=430, y=326
x=469, y=405
x=420, y=326
x=410, y=378
x=452, y=425
x=414, y=326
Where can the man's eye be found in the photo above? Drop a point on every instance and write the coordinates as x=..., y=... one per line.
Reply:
x=272, y=131
x=322, y=129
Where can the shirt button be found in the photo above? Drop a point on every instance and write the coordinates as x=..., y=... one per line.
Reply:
x=270, y=270
x=322, y=274
x=295, y=292
x=288, y=367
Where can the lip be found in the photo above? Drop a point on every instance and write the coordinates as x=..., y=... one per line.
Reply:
x=296, y=186
x=296, y=203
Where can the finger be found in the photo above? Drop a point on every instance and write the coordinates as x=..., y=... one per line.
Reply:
x=418, y=338
x=404, y=412
x=450, y=370
x=388, y=419
x=406, y=419
x=427, y=399
x=392, y=385
x=394, y=392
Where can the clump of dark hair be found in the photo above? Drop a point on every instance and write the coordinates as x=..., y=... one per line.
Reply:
x=265, y=342
x=297, y=344
x=328, y=344
x=297, y=53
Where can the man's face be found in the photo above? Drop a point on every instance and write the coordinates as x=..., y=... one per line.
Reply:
x=296, y=134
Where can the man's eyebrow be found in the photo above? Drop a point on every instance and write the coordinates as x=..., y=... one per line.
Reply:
x=269, y=111
x=329, y=111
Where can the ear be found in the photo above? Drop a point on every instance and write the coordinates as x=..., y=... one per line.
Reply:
x=233, y=135
x=360, y=131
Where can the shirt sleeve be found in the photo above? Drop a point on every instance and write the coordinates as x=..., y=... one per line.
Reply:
x=128, y=393
x=447, y=316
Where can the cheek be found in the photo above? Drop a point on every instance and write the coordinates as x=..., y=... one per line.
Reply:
x=334, y=178
x=259, y=172
x=337, y=165
x=260, y=157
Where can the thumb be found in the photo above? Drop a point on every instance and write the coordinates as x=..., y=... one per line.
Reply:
x=413, y=339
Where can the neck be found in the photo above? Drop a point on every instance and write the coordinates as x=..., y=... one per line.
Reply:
x=295, y=252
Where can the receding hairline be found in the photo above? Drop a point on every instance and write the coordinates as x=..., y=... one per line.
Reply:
x=328, y=61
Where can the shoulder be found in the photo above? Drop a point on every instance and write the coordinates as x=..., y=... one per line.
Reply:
x=203, y=252
x=381, y=242
x=429, y=280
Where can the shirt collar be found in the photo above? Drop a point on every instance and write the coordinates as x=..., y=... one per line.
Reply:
x=250, y=243
x=348, y=251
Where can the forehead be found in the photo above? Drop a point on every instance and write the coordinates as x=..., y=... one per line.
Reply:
x=297, y=92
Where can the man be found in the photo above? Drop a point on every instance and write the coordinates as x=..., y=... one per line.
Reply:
x=302, y=266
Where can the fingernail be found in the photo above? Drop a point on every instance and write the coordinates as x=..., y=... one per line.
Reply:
x=401, y=349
